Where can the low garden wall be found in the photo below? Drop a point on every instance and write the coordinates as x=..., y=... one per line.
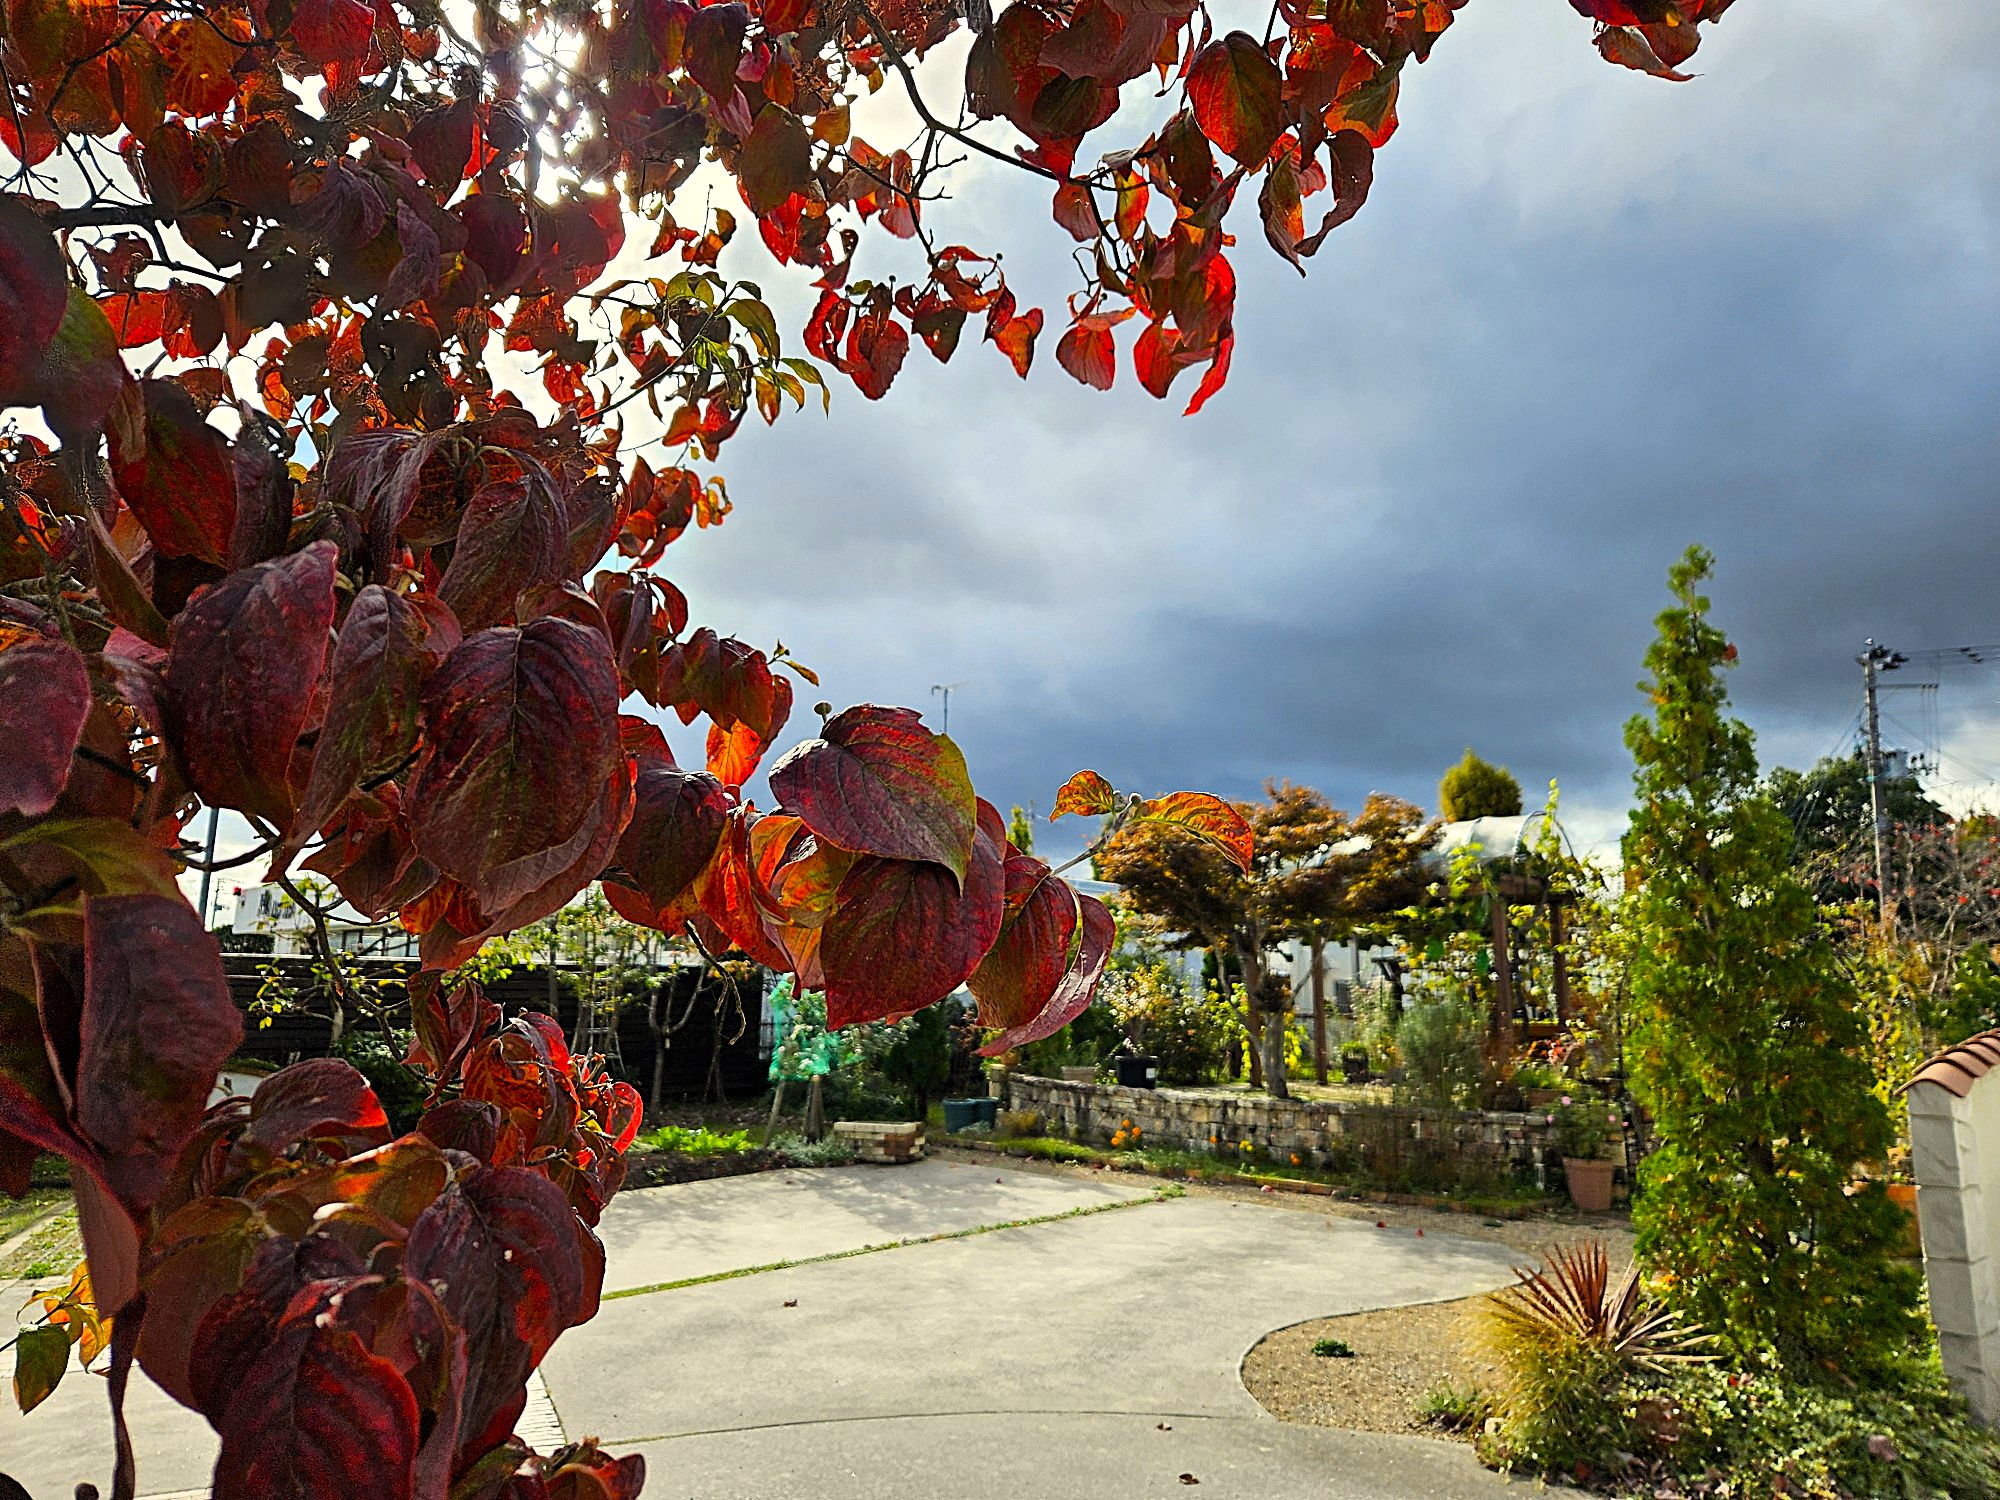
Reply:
x=1386, y=1141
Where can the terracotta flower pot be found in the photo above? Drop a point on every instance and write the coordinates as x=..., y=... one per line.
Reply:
x=1589, y=1183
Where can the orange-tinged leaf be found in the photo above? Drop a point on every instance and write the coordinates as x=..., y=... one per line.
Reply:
x=1086, y=793
x=1089, y=353
x=1207, y=817
x=1235, y=91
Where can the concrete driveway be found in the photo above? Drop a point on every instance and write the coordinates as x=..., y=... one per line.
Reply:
x=1090, y=1356
x=1049, y=1338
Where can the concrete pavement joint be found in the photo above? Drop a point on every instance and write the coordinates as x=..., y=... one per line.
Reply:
x=932, y=1416
x=1170, y=1191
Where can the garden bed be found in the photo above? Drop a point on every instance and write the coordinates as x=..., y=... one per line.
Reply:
x=644, y=1169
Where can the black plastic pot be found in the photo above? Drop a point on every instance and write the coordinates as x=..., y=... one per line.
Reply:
x=1138, y=1072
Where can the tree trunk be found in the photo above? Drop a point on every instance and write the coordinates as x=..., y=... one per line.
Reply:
x=1275, y=1023
x=1319, y=1007
x=777, y=1103
x=815, y=1108
x=658, y=1027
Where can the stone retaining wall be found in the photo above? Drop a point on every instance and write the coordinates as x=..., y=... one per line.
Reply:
x=1319, y=1133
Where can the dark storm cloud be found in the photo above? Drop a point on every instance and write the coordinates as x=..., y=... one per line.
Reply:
x=1586, y=319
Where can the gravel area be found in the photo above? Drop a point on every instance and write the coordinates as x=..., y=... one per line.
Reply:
x=1399, y=1356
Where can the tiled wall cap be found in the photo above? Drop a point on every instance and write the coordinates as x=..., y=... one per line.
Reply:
x=1956, y=1069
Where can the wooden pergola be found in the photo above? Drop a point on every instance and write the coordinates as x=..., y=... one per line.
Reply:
x=1509, y=891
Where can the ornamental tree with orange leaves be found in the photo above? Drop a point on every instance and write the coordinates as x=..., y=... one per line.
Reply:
x=319, y=505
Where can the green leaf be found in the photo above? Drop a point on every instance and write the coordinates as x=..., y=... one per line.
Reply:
x=41, y=1356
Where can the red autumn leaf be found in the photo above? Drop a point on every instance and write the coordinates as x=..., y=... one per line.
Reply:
x=725, y=679
x=157, y=1022
x=776, y=159
x=1089, y=353
x=1630, y=47
x=1235, y=91
x=677, y=819
x=322, y=1099
x=510, y=539
x=878, y=782
x=199, y=57
x=314, y=1409
x=441, y=141
x=521, y=737
x=332, y=31
x=446, y=1026
x=136, y=318
x=46, y=687
x=1208, y=818
x=496, y=235
x=1016, y=338
x=174, y=471
x=34, y=291
x=876, y=345
x=904, y=934
x=502, y=1246
x=244, y=659
x=1283, y=213
x=1214, y=376
x=1099, y=933
x=1351, y=173
x=81, y=377
x=1018, y=975
x=387, y=645
x=1074, y=211
x=733, y=753
x=1086, y=793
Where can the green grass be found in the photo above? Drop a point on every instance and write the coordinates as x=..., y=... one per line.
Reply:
x=695, y=1140
x=1160, y=1196
x=51, y=1250
x=1452, y=1408
x=16, y=1214
x=1333, y=1349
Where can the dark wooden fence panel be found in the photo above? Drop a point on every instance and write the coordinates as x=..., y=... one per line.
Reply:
x=692, y=1065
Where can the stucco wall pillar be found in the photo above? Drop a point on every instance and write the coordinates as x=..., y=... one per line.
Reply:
x=1955, y=1151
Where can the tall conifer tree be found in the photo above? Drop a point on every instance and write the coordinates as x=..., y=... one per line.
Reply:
x=1747, y=1044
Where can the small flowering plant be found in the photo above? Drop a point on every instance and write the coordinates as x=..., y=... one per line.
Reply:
x=1583, y=1126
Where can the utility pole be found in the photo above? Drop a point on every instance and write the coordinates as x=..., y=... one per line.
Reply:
x=208, y=860
x=1875, y=661
x=944, y=689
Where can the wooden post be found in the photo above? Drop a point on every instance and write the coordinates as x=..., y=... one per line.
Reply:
x=1319, y=1007
x=1500, y=1036
x=777, y=1102
x=1561, y=968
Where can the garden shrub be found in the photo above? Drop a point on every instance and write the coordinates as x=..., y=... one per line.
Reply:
x=399, y=1089
x=1568, y=1339
x=1443, y=1061
x=1730, y=1433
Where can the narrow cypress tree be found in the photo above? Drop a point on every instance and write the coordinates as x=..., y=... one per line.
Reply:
x=1747, y=1042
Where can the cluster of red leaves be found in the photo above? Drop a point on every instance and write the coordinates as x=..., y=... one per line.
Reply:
x=320, y=567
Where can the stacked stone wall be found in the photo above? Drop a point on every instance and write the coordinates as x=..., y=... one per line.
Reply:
x=1337, y=1135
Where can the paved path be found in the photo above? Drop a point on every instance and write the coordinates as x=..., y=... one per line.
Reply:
x=1091, y=1353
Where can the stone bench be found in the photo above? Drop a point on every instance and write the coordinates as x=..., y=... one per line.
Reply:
x=883, y=1141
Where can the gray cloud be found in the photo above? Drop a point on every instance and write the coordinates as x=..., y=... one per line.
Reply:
x=1586, y=318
